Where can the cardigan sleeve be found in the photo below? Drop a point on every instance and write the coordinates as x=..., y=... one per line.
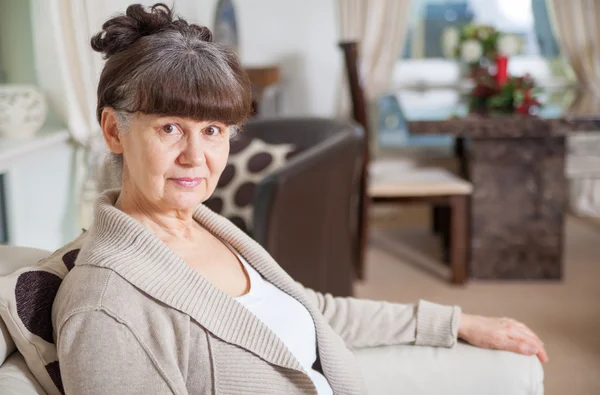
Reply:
x=99, y=355
x=367, y=323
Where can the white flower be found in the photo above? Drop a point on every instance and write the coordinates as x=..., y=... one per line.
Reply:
x=450, y=38
x=471, y=51
x=508, y=45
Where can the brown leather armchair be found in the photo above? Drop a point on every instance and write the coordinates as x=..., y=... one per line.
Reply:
x=305, y=213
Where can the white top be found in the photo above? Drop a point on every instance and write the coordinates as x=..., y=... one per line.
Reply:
x=288, y=319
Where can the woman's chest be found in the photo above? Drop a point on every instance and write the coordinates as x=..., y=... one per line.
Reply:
x=216, y=263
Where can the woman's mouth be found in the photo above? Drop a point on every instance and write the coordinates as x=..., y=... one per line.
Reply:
x=187, y=182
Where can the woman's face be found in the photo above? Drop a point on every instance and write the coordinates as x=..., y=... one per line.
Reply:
x=173, y=163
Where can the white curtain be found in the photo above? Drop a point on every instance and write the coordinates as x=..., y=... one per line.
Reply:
x=578, y=30
x=62, y=30
x=577, y=25
x=67, y=72
x=380, y=27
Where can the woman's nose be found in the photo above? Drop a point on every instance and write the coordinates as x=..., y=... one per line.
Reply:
x=194, y=152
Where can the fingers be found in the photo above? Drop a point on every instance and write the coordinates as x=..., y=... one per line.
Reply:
x=529, y=345
x=526, y=344
x=519, y=347
x=543, y=356
x=528, y=335
x=529, y=331
x=520, y=332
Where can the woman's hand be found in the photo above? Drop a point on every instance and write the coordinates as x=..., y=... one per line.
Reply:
x=501, y=334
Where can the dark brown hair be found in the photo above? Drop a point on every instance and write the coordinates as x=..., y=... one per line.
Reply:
x=160, y=64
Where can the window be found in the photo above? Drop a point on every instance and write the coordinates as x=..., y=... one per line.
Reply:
x=422, y=63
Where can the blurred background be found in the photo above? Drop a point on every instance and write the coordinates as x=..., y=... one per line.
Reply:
x=428, y=173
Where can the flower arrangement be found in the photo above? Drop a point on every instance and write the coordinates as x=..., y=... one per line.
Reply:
x=474, y=43
x=516, y=95
x=486, y=51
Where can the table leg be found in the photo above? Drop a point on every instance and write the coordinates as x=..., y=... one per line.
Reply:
x=518, y=202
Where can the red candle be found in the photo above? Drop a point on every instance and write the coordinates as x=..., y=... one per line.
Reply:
x=501, y=70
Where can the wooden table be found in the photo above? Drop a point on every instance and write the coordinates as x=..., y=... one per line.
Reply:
x=517, y=167
x=261, y=79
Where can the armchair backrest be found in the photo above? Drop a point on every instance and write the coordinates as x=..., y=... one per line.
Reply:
x=305, y=212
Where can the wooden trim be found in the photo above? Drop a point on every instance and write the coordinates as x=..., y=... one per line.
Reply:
x=359, y=113
x=459, y=238
x=357, y=94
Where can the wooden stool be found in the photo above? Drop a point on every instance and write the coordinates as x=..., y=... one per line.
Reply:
x=429, y=185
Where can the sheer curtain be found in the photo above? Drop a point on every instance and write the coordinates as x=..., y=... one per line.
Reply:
x=577, y=25
x=67, y=72
x=578, y=31
x=380, y=26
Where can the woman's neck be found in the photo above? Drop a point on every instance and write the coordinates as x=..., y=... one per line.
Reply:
x=163, y=223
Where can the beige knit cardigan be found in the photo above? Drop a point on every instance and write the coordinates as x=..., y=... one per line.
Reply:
x=133, y=318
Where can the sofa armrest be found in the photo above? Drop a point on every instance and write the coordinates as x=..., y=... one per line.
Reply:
x=305, y=213
x=463, y=369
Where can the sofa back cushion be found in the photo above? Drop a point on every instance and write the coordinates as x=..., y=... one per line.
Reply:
x=26, y=298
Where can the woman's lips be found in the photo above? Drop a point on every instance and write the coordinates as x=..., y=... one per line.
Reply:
x=187, y=182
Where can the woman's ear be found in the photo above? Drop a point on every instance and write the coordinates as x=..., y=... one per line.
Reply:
x=110, y=130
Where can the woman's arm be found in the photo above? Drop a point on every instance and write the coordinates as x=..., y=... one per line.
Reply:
x=99, y=355
x=367, y=323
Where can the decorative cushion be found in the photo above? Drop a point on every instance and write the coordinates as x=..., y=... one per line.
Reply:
x=250, y=160
x=26, y=298
x=11, y=259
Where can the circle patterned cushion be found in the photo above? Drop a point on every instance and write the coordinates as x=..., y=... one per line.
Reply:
x=250, y=160
x=26, y=298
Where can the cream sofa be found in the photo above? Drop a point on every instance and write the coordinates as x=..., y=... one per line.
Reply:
x=409, y=370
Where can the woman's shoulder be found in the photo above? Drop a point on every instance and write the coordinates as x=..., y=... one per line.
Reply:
x=88, y=289
x=81, y=290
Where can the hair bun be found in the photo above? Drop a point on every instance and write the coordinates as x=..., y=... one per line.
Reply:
x=121, y=31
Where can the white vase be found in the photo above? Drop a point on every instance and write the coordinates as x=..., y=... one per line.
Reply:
x=22, y=111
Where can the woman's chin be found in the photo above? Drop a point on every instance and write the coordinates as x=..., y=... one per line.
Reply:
x=185, y=201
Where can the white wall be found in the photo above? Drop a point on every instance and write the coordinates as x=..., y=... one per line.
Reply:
x=299, y=36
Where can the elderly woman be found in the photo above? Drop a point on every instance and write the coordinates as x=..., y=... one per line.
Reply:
x=169, y=298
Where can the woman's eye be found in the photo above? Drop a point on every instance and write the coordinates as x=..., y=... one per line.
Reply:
x=212, y=131
x=170, y=129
